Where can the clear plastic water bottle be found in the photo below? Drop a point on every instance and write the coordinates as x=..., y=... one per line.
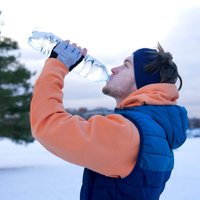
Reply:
x=92, y=69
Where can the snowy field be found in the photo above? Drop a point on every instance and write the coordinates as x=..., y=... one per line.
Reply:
x=32, y=173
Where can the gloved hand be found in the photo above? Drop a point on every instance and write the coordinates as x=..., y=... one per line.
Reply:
x=69, y=54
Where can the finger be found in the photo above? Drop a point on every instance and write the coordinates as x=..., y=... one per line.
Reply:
x=84, y=51
x=74, y=44
x=67, y=41
x=71, y=48
x=79, y=48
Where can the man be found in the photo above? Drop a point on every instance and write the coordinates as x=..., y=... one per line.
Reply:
x=127, y=155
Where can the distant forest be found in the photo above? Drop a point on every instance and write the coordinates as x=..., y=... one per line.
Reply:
x=194, y=123
x=86, y=113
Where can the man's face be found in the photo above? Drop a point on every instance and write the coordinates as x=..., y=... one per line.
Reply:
x=122, y=81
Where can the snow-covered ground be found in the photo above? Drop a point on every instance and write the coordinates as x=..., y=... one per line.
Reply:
x=32, y=173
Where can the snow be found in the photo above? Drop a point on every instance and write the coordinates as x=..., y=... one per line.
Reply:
x=32, y=173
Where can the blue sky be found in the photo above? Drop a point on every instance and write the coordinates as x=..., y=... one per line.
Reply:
x=111, y=31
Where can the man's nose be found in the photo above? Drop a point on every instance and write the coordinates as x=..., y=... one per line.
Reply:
x=115, y=70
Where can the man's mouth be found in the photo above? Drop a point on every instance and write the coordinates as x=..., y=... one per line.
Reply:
x=111, y=76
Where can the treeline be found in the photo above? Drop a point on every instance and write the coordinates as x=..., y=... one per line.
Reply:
x=194, y=123
x=87, y=113
x=15, y=93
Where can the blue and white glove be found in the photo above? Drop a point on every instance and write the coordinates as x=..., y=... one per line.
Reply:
x=68, y=54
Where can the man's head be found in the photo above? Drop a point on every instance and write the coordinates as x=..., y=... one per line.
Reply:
x=145, y=66
x=122, y=80
x=154, y=66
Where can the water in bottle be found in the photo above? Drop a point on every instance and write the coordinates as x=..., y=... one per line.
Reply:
x=92, y=69
x=43, y=41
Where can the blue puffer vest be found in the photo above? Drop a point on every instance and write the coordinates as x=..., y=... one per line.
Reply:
x=161, y=129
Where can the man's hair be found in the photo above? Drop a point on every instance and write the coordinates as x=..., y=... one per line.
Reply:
x=164, y=65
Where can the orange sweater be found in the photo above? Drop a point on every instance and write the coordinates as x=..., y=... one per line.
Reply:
x=105, y=144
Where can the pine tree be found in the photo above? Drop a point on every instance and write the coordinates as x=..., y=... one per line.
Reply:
x=15, y=94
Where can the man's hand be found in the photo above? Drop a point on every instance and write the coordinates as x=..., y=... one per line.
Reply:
x=69, y=54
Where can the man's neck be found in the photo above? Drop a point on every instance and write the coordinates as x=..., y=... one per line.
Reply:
x=118, y=101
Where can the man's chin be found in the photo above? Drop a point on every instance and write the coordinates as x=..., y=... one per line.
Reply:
x=106, y=90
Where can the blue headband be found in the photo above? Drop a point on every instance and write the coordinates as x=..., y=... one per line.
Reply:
x=141, y=58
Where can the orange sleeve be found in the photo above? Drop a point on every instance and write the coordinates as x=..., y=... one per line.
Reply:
x=105, y=144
